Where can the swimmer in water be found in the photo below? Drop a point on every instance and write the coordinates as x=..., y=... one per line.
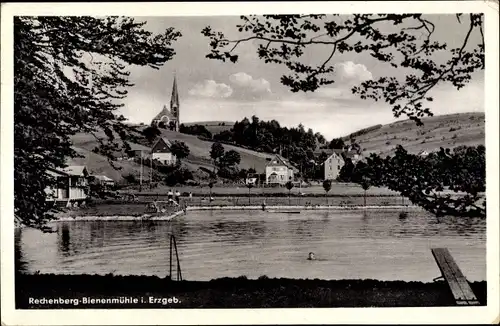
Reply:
x=311, y=256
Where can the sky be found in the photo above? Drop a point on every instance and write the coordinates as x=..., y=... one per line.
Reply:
x=212, y=90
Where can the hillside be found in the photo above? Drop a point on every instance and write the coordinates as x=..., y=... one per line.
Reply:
x=98, y=164
x=199, y=156
x=200, y=151
x=440, y=131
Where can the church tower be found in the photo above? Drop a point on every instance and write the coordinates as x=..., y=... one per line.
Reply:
x=175, y=105
x=169, y=118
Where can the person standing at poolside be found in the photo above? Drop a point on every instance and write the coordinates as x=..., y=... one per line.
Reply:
x=170, y=196
x=177, y=196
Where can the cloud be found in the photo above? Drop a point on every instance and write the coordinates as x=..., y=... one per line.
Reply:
x=247, y=86
x=335, y=93
x=211, y=89
x=347, y=74
x=350, y=72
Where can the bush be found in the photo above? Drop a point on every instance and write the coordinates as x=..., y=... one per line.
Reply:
x=197, y=130
x=151, y=133
x=231, y=173
x=130, y=178
x=166, y=169
x=178, y=176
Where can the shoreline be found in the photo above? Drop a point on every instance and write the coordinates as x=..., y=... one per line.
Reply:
x=269, y=209
x=238, y=292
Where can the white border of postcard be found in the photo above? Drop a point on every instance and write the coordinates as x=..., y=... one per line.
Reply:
x=457, y=315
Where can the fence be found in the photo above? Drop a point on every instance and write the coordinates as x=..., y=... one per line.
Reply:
x=298, y=201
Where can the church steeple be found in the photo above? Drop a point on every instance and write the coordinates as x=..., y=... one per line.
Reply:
x=174, y=102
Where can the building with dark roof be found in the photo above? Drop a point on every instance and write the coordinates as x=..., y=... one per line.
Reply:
x=161, y=151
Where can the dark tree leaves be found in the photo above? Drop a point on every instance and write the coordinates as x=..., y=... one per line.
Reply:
x=283, y=40
x=69, y=75
x=444, y=183
x=179, y=149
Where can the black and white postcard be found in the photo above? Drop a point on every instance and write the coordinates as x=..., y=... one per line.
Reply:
x=250, y=162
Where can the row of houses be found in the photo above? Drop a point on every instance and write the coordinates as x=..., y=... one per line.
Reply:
x=279, y=170
x=73, y=181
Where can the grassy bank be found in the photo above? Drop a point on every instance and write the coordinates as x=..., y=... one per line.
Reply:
x=113, y=208
x=120, y=208
x=345, y=189
x=234, y=292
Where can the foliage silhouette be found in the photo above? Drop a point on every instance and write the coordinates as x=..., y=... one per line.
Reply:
x=69, y=73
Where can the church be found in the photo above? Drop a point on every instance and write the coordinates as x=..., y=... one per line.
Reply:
x=169, y=118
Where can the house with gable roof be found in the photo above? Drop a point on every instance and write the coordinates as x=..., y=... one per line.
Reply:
x=162, y=152
x=279, y=170
x=333, y=164
x=337, y=158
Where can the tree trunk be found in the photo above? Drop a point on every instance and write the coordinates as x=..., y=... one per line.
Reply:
x=249, y=196
x=365, y=198
x=289, y=204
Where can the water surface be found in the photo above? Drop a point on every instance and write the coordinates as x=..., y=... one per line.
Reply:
x=214, y=244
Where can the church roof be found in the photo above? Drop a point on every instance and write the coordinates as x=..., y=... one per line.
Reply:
x=164, y=112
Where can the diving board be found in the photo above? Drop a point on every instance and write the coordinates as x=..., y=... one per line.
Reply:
x=457, y=282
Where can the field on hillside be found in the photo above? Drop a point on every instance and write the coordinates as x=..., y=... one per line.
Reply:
x=439, y=131
x=199, y=156
x=98, y=164
x=200, y=151
x=214, y=127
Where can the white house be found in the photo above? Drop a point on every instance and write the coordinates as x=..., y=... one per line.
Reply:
x=161, y=152
x=72, y=183
x=332, y=165
x=279, y=171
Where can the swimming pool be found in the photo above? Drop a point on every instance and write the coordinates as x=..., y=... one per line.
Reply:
x=213, y=244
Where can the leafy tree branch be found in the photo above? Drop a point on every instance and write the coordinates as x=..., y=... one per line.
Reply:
x=284, y=39
x=70, y=74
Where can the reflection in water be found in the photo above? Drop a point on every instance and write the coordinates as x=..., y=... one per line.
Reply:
x=353, y=244
x=65, y=239
x=20, y=264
